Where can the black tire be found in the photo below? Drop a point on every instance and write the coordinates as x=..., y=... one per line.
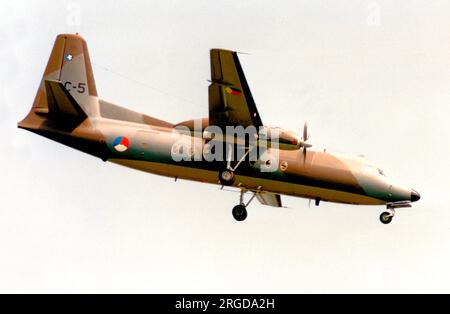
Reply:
x=239, y=212
x=226, y=177
x=386, y=218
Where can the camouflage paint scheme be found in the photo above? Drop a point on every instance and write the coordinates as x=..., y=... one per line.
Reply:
x=67, y=110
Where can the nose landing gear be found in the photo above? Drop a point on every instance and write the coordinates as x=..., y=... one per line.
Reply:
x=386, y=217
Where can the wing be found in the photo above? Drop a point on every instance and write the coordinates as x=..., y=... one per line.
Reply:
x=267, y=198
x=230, y=100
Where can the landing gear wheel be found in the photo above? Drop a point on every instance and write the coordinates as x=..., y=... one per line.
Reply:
x=239, y=212
x=226, y=177
x=386, y=218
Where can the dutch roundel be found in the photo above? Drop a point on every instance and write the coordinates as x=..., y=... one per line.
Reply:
x=121, y=144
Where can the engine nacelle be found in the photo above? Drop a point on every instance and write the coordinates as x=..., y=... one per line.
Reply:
x=287, y=140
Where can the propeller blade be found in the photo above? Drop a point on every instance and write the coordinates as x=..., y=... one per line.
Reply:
x=305, y=132
x=303, y=143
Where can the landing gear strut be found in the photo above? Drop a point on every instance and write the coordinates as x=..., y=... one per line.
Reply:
x=386, y=217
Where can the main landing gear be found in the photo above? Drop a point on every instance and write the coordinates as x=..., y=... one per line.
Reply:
x=240, y=211
x=226, y=176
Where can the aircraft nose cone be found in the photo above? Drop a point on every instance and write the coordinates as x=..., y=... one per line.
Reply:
x=415, y=196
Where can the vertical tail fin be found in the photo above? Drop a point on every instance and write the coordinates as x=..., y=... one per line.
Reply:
x=69, y=63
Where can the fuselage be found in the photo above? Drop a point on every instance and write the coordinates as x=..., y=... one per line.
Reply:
x=314, y=175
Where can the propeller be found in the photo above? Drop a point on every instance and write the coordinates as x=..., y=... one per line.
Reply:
x=303, y=143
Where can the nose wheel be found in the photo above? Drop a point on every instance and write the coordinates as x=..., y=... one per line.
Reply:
x=386, y=217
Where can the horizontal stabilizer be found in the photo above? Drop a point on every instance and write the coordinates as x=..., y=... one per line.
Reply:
x=61, y=104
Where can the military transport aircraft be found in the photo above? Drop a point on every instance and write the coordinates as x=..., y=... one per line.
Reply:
x=67, y=110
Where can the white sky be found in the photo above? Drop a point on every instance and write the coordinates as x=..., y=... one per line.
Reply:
x=368, y=83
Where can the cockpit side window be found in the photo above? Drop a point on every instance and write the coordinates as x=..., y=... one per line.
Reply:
x=381, y=172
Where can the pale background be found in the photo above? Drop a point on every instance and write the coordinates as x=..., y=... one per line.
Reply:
x=372, y=77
